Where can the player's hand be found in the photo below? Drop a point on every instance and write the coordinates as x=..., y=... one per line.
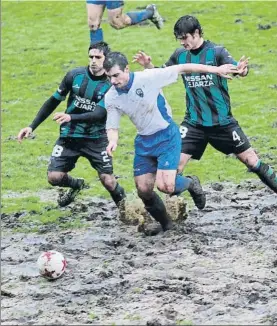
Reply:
x=62, y=117
x=24, y=133
x=111, y=147
x=227, y=69
x=143, y=59
x=242, y=65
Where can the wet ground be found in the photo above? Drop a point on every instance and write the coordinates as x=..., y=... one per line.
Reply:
x=219, y=266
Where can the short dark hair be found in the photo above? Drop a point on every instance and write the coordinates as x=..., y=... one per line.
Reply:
x=101, y=46
x=187, y=24
x=113, y=59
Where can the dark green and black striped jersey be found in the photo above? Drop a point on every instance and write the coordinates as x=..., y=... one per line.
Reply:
x=207, y=97
x=85, y=92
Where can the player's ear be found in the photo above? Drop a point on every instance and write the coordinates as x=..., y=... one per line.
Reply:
x=127, y=69
x=196, y=33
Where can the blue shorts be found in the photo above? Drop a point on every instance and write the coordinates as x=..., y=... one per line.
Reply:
x=161, y=151
x=109, y=4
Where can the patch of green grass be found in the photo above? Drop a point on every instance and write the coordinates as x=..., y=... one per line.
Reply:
x=31, y=204
x=137, y=290
x=34, y=63
x=32, y=211
x=93, y=316
x=184, y=322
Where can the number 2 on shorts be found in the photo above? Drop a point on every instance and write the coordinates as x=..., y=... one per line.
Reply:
x=105, y=156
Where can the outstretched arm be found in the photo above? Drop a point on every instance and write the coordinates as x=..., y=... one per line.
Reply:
x=222, y=71
x=47, y=108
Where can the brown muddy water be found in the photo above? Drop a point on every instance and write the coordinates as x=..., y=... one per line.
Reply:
x=217, y=267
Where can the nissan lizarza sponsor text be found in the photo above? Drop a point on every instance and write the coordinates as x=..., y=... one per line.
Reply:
x=199, y=81
x=84, y=103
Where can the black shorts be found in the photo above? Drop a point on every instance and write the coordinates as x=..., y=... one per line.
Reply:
x=67, y=151
x=226, y=139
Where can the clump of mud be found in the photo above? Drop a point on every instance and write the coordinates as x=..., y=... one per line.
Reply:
x=218, y=266
x=132, y=211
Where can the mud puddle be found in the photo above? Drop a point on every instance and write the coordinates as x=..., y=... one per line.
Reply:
x=217, y=267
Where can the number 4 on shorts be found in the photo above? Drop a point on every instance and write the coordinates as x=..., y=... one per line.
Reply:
x=235, y=136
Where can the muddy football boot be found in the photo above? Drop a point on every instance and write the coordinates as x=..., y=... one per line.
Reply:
x=156, y=19
x=69, y=196
x=196, y=192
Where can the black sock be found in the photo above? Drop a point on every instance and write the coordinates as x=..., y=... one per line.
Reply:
x=117, y=194
x=68, y=181
x=267, y=175
x=157, y=210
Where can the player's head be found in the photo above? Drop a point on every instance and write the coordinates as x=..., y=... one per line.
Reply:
x=97, y=53
x=117, y=69
x=188, y=31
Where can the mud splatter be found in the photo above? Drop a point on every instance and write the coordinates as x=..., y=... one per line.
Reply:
x=219, y=266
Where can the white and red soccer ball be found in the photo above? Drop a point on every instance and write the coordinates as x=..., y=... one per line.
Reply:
x=51, y=264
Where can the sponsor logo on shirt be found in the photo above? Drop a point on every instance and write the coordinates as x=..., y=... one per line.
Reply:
x=199, y=81
x=84, y=103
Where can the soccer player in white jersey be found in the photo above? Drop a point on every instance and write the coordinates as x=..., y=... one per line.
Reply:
x=158, y=140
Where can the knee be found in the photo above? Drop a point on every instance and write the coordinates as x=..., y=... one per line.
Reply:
x=166, y=188
x=55, y=178
x=118, y=22
x=94, y=23
x=108, y=181
x=144, y=192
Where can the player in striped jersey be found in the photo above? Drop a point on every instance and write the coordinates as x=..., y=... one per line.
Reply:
x=82, y=127
x=209, y=119
x=158, y=142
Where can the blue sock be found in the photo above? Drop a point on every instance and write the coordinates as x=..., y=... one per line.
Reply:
x=96, y=36
x=181, y=184
x=139, y=16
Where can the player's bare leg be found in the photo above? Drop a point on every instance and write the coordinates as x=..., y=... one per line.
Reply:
x=184, y=158
x=165, y=180
x=116, y=191
x=95, y=14
x=119, y=20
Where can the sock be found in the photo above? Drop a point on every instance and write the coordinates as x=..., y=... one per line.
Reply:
x=139, y=16
x=257, y=166
x=181, y=184
x=117, y=194
x=68, y=181
x=266, y=174
x=157, y=210
x=96, y=36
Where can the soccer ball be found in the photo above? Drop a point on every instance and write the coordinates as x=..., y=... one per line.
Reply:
x=51, y=264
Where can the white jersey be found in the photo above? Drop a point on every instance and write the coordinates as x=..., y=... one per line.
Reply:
x=143, y=101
